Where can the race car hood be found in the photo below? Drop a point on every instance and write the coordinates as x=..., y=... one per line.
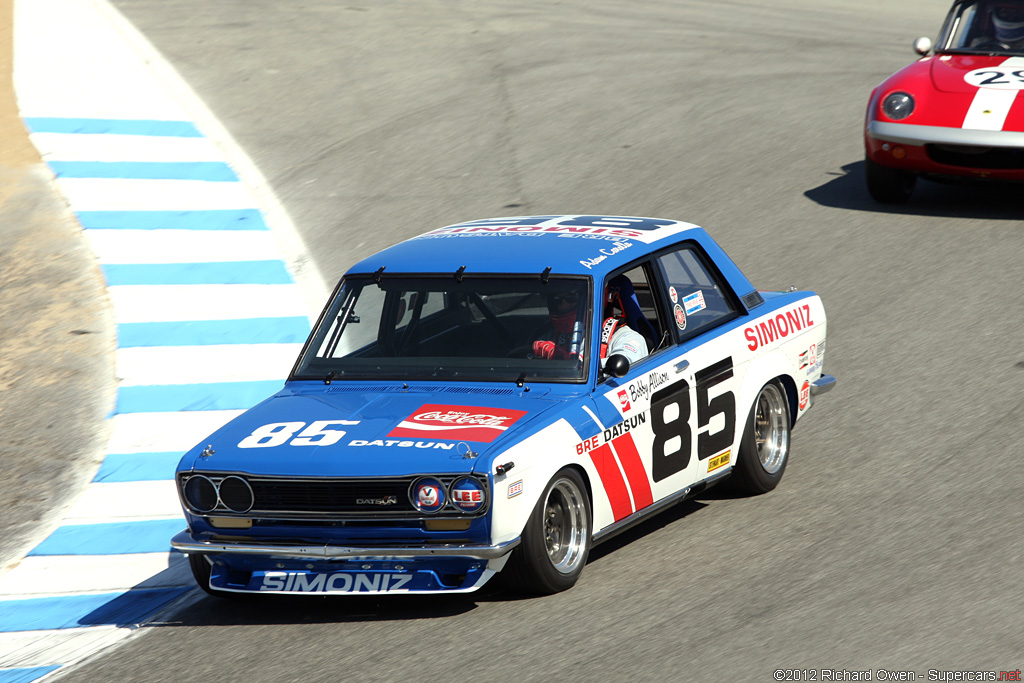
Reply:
x=356, y=431
x=948, y=71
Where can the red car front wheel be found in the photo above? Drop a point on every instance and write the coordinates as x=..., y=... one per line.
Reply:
x=888, y=185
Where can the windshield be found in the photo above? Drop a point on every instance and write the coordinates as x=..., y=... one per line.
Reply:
x=497, y=328
x=984, y=27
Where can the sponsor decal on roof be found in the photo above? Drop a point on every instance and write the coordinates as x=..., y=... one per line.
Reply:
x=458, y=423
x=624, y=227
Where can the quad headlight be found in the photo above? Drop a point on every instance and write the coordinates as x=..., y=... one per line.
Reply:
x=898, y=105
x=203, y=494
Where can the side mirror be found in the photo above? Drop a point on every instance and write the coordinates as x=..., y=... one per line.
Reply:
x=616, y=366
x=923, y=46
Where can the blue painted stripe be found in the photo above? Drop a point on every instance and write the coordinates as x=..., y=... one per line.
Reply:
x=127, y=467
x=208, y=332
x=75, y=611
x=167, y=398
x=211, y=171
x=219, y=273
x=52, y=124
x=214, y=219
x=25, y=675
x=110, y=538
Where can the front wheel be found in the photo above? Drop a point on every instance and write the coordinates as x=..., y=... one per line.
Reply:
x=201, y=570
x=764, y=450
x=556, y=540
x=888, y=185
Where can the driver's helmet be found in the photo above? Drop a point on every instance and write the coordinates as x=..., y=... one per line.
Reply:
x=1008, y=21
x=562, y=309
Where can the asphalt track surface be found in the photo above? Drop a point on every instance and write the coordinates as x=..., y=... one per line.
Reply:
x=893, y=542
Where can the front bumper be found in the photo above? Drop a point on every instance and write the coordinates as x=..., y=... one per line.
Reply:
x=946, y=153
x=184, y=542
x=907, y=134
x=245, y=567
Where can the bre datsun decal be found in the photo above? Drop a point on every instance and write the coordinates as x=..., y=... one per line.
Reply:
x=457, y=423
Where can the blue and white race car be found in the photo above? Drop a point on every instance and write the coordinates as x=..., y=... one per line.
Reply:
x=499, y=396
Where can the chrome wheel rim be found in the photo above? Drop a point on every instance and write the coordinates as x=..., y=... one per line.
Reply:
x=565, y=526
x=771, y=429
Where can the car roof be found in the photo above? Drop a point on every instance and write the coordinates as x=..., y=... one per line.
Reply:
x=567, y=244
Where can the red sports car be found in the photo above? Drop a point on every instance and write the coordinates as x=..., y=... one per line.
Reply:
x=955, y=113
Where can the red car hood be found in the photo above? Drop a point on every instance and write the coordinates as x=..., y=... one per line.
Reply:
x=948, y=72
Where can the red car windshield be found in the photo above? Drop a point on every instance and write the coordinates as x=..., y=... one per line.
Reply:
x=984, y=27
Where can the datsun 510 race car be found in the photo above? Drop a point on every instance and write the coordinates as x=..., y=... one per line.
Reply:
x=500, y=395
x=956, y=114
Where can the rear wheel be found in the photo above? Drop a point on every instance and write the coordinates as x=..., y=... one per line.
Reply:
x=888, y=185
x=556, y=540
x=764, y=450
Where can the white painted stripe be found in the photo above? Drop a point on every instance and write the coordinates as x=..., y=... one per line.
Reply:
x=171, y=303
x=989, y=109
x=198, y=364
x=119, y=194
x=182, y=246
x=55, y=648
x=165, y=432
x=63, y=574
x=110, y=148
x=990, y=106
x=82, y=67
x=125, y=502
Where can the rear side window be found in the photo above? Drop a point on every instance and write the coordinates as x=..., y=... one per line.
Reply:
x=694, y=293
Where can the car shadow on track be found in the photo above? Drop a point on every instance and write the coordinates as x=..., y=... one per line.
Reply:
x=990, y=201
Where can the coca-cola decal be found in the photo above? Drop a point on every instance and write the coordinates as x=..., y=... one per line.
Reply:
x=457, y=423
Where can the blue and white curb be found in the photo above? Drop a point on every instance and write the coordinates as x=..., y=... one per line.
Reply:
x=211, y=295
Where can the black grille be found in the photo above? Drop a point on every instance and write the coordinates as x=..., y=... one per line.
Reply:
x=332, y=497
x=995, y=158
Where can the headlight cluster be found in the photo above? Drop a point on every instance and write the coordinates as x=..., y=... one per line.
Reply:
x=430, y=495
x=898, y=105
x=203, y=494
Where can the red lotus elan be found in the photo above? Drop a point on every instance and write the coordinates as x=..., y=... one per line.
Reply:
x=957, y=112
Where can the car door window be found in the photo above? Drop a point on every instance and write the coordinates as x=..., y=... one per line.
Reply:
x=693, y=293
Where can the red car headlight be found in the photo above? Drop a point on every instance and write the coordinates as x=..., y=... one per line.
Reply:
x=898, y=106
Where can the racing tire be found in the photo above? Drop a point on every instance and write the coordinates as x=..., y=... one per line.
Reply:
x=556, y=540
x=201, y=569
x=764, y=450
x=888, y=185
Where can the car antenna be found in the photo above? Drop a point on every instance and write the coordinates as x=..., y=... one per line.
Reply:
x=545, y=276
x=459, y=272
x=377, y=274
